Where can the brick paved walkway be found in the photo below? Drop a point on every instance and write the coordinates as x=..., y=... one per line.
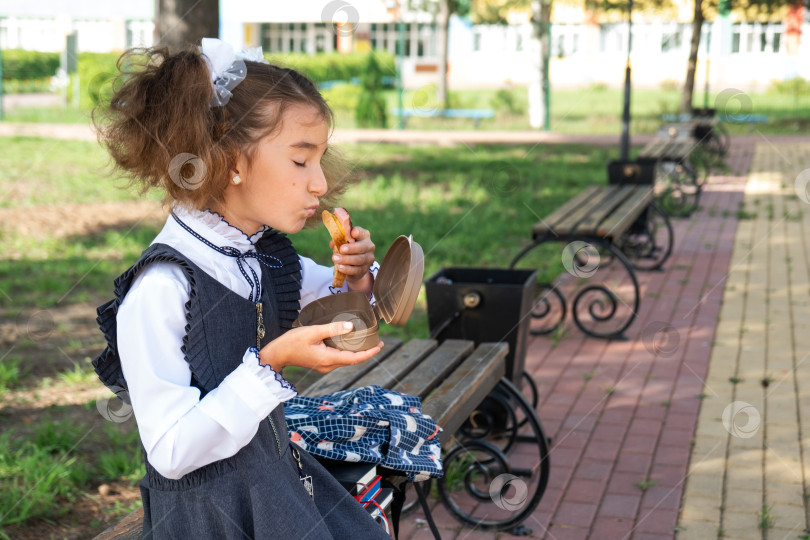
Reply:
x=623, y=414
x=748, y=474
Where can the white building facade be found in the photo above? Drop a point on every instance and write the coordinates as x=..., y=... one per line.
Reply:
x=745, y=55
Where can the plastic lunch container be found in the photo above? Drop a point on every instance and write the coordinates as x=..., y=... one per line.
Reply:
x=396, y=288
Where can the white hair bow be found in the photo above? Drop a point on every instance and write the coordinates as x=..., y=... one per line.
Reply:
x=227, y=67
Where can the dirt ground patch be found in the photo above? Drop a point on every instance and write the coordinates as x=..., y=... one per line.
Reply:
x=61, y=220
x=55, y=386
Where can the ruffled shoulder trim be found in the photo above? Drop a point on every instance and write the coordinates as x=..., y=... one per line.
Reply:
x=285, y=282
x=108, y=364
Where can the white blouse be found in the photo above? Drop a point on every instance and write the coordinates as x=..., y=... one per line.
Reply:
x=180, y=431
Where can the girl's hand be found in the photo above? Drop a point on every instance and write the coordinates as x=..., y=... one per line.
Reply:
x=304, y=347
x=356, y=257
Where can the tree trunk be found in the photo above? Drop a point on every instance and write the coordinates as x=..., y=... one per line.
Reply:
x=691, y=67
x=444, y=32
x=539, y=89
x=180, y=23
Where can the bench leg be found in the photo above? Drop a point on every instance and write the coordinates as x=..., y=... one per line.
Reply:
x=548, y=306
x=680, y=192
x=478, y=472
x=648, y=242
x=599, y=307
x=596, y=305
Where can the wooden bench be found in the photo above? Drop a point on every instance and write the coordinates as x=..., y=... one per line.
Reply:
x=615, y=223
x=476, y=114
x=706, y=132
x=675, y=178
x=706, y=128
x=454, y=380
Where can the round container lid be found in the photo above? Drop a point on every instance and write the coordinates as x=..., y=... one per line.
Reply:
x=397, y=284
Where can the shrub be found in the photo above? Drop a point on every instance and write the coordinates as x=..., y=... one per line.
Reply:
x=370, y=111
x=796, y=85
x=343, y=97
x=30, y=71
x=457, y=100
x=96, y=74
x=669, y=84
x=26, y=86
x=19, y=64
x=509, y=100
x=333, y=66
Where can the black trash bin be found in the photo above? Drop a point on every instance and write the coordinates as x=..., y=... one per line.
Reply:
x=483, y=305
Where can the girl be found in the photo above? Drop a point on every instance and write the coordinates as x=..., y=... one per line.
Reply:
x=199, y=330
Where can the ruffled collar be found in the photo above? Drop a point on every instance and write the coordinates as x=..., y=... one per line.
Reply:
x=216, y=229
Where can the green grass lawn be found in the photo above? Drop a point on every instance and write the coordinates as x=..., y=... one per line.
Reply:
x=44, y=171
x=587, y=110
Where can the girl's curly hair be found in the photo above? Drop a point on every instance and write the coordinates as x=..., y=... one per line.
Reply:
x=162, y=132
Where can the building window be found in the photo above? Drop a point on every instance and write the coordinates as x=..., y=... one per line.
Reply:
x=560, y=47
x=296, y=37
x=671, y=41
x=477, y=41
x=705, y=38
x=139, y=33
x=418, y=40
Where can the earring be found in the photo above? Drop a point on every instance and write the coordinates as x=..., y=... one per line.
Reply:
x=236, y=180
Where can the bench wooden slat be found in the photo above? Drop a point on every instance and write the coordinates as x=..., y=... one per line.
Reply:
x=570, y=224
x=668, y=149
x=343, y=377
x=655, y=148
x=129, y=528
x=398, y=365
x=543, y=227
x=626, y=214
x=435, y=368
x=591, y=222
x=469, y=384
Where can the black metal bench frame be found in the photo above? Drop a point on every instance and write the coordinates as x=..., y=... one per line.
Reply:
x=680, y=150
x=619, y=221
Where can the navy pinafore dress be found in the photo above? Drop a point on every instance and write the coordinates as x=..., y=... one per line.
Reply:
x=256, y=493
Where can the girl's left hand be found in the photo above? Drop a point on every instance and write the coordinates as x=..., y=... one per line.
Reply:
x=355, y=257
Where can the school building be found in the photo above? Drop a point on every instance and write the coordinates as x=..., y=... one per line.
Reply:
x=585, y=49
